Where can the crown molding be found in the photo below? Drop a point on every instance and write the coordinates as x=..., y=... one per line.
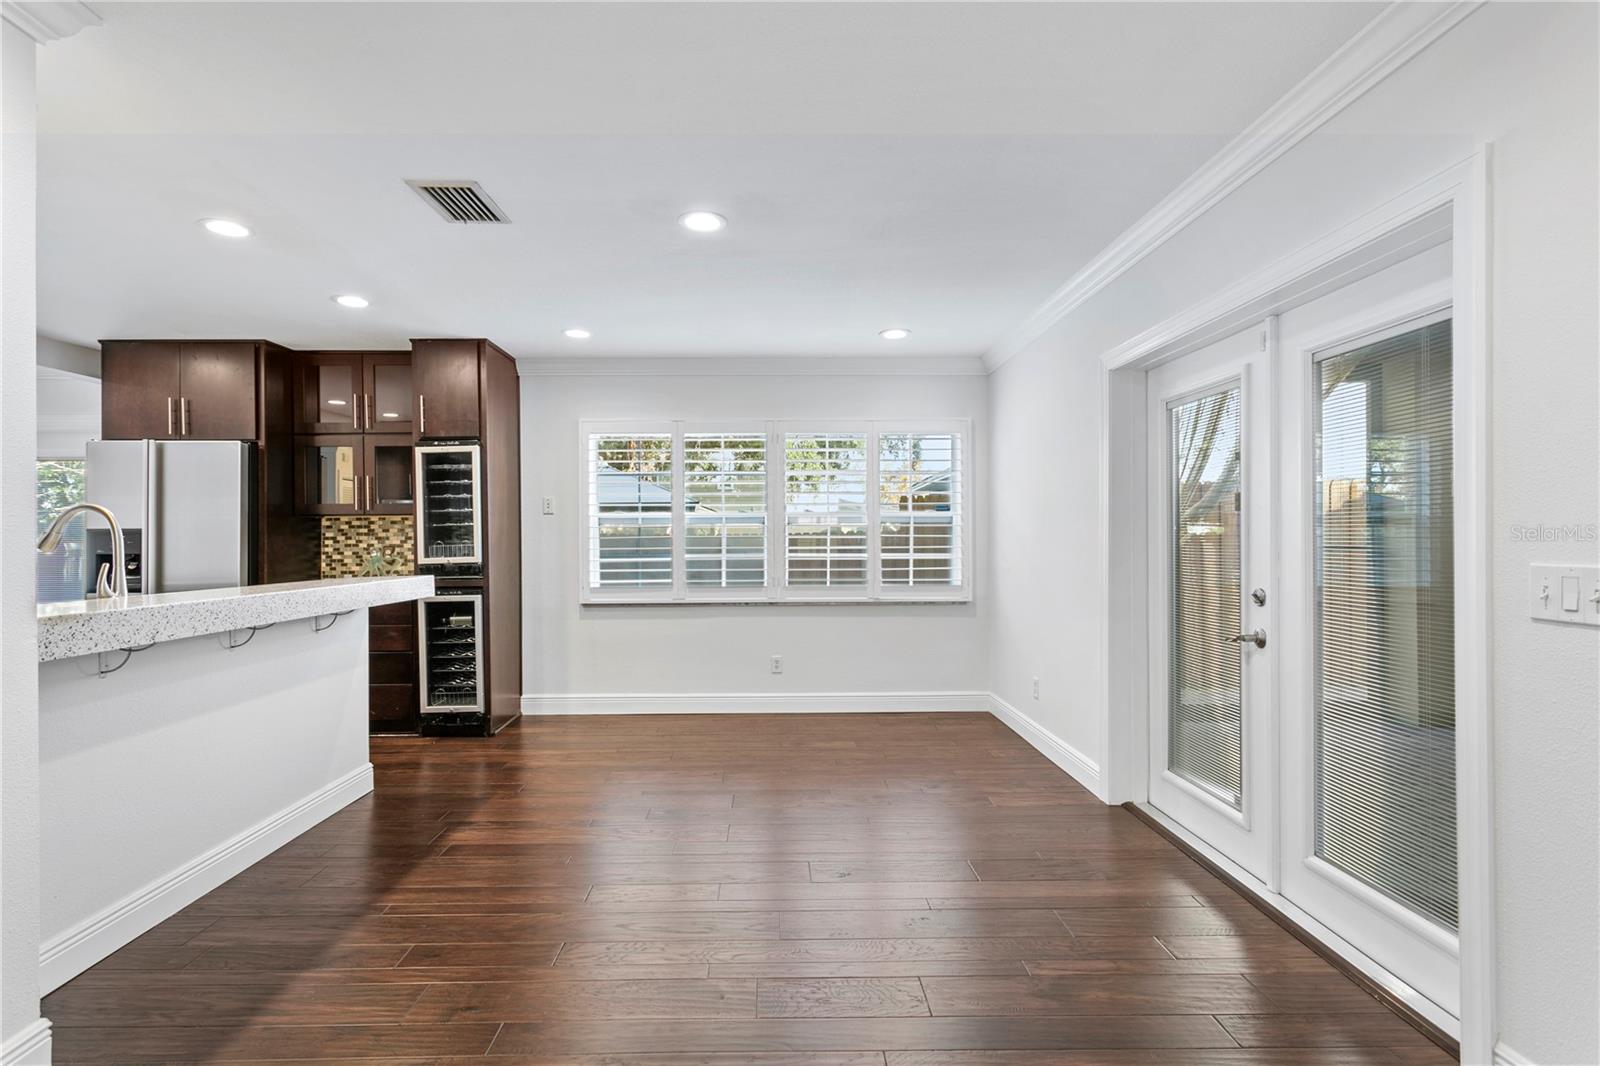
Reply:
x=49, y=20
x=751, y=366
x=1385, y=44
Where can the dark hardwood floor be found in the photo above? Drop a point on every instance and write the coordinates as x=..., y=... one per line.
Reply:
x=845, y=890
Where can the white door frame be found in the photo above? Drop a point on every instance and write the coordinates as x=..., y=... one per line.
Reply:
x=1452, y=206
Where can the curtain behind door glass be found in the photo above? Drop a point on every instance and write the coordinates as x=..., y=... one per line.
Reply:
x=1204, y=706
x=1385, y=640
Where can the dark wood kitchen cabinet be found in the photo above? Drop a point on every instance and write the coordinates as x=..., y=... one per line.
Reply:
x=353, y=392
x=218, y=390
x=353, y=473
x=392, y=704
x=139, y=390
x=444, y=375
x=182, y=390
x=218, y=383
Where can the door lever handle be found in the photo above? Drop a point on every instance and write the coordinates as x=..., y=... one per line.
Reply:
x=1258, y=637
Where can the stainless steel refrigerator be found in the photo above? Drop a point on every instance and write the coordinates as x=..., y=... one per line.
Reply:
x=186, y=507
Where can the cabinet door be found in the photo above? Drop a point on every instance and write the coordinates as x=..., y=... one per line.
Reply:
x=389, y=474
x=327, y=392
x=389, y=401
x=139, y=390
x=219, y=391
x=445, y=375
x=328, y=475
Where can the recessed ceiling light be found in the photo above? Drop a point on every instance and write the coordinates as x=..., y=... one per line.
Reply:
x=577, y=334
x=895, y=334
x=337, y=403
x=703, y=222
x=350, y=301
x=223, y=227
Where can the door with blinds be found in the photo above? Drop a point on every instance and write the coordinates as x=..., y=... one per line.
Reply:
x=1211, y=714
x=1369, y=621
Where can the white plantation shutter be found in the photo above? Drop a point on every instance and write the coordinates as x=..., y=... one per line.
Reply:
x=774, y=511
x=825, y=510
x=919, y=509
x=630, y=510
x=725, y=510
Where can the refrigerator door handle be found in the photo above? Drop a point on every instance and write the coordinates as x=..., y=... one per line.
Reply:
x=150, y=576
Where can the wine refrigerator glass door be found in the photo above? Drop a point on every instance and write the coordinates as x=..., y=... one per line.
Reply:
x=449, y=505
x=451, y=629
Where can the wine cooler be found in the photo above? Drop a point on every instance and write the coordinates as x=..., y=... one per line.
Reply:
x=449, y=507
x=451, y=660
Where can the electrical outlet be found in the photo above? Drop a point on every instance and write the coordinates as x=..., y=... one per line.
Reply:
x=548, y=504
x=777, y=664
x=1036, y=688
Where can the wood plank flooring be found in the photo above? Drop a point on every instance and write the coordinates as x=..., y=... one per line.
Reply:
x=845, y=890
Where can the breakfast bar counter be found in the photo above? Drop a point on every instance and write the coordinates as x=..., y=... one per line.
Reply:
x=183, y=737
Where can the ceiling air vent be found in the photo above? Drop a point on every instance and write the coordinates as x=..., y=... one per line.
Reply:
x=459, y=201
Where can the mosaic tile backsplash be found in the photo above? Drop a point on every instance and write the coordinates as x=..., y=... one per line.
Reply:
x=367, y=545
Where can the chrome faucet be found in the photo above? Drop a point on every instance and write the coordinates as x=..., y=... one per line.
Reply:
x=112, y=580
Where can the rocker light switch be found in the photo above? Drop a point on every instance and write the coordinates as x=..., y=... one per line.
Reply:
x=1569, y=593
x=1564, y=594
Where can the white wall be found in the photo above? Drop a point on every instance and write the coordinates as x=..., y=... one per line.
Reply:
x=168, y=777
x=859, y=648
x=1522, y=76
x=68, y=406
x=19, y=703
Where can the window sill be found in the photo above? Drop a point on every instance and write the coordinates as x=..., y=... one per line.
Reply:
x=799, y=601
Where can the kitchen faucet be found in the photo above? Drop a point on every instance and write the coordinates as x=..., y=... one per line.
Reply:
x=112, y=580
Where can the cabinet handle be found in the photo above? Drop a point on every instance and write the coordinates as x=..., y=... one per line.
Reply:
x=184, y=412
x=366, y=406
x=355, y=411
x=422, y=413
x=369, y=493
x=169, y=416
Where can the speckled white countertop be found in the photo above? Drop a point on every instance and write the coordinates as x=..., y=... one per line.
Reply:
x=84, y=627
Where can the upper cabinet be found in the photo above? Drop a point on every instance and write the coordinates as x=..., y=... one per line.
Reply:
x=177, y=390
x=353, y=392
x=391, y=402
x=139, y=390
x=444, y=374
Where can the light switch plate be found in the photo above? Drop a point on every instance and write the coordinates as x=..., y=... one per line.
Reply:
x=1564, y=594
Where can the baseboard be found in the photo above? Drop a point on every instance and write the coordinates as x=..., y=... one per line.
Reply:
x=1077, y=765
x=31, y=1047
x=1505, y=1056
x=66, y=956
x=755, y=703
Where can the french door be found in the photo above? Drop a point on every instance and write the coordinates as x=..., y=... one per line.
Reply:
x=1369, y=623
x=1303, y=612
x=1212, y=731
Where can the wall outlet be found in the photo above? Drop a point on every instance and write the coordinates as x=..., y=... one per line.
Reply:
x=777, y=664
x=1036, y=688
x=548, y=505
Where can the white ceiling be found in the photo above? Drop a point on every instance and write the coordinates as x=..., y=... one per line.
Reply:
x=941, y=166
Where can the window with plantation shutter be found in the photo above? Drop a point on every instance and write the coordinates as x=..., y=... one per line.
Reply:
x=630, y=511
x=775, y=512
x=825, y=513
x=919, y=508
x=725, y=509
